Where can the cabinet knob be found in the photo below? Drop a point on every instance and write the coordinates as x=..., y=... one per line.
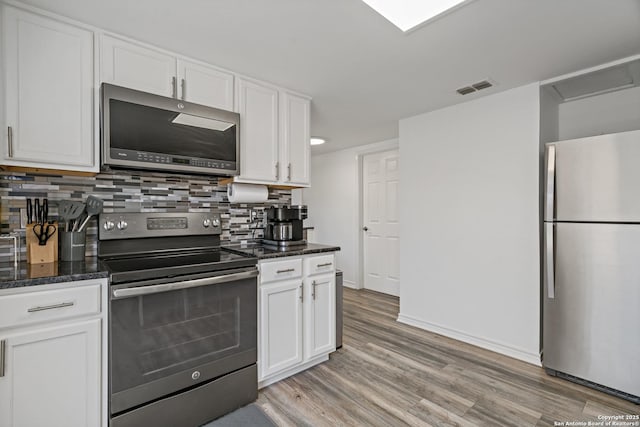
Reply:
x=365, y=228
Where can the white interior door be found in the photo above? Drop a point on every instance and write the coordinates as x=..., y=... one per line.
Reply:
x=380, y=178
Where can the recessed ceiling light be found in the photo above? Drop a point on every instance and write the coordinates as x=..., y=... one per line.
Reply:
x=408, y=14
x=317, y=141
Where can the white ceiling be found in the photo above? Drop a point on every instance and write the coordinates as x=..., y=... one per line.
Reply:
x=363, y=73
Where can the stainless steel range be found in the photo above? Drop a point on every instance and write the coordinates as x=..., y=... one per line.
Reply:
x=183, y=320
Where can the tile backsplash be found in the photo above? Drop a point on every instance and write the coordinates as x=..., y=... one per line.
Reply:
x=129, y=191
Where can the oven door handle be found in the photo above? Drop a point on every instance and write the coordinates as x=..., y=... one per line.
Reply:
x=166, y=287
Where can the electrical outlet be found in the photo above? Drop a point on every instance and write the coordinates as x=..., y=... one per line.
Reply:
x=254, y=215
x=23, y=217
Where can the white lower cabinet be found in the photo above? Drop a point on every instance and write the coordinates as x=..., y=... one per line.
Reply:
x=51, y=364
x=320, y=315
x=297, y=317
x=52, y=377
x=280, y=326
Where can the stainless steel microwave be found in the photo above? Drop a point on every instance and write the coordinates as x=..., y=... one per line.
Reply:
x=145, y=131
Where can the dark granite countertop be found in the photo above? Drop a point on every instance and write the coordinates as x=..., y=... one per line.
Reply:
x=264, y=252
x=55, y=272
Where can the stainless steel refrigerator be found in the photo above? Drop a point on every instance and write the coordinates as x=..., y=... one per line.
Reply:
x=591, y=263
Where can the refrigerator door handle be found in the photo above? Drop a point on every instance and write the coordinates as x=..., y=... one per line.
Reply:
x=549, y=257
x=550, y=184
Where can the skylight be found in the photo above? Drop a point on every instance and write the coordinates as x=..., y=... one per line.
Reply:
x=408, y=14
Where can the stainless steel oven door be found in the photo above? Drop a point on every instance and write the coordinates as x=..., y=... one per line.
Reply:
x=169, y=335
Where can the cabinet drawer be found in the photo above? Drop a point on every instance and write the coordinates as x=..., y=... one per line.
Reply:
x=280, y=270
x=49, y=305
x=319, y=264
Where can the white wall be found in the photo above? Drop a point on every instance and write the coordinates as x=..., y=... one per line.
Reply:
x=334, y=204
x=469, y=257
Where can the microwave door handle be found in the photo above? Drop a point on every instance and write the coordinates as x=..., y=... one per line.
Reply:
x=174, y=286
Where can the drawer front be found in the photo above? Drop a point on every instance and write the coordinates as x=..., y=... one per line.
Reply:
x=272, y=271
x=49, y=305
x=319, y=264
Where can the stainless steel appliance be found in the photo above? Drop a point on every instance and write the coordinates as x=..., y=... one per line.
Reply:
x=284, y=226
x=145, y=131
x=591, y=262
x=339, y=308
x=182, y=319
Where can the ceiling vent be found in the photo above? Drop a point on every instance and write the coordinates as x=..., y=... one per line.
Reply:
x=484, y=84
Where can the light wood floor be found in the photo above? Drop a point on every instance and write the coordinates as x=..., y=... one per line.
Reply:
x=390, y=374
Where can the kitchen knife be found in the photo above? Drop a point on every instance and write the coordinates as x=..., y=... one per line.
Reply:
x=38, y=211
x=29, y=212
x=45, y=211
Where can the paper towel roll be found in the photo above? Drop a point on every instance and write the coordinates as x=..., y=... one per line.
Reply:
x=247, y=193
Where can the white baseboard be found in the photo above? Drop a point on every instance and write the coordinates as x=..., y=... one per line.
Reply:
x=350, y=284
x=292, y=371
x=507, y=350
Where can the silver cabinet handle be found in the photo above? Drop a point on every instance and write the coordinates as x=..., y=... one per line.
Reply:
x=550, y=185
x=326, y=264
x=549, y=262
x=289, y=172
x=165, y=287
x=10, y=141
x=51, y=307
x=184, y=89
x=286, y=270
x=313, y=293
x=174, y=87
x=277, y=170
x=301, y=292
x=2, y=348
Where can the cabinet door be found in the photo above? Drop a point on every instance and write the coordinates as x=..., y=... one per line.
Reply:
x=52, y=377
x=320, y=315
x=205, y=85
x=137, y=67
x=280, y=345
x=258, y=108
x=295, y=139
x=49, y=93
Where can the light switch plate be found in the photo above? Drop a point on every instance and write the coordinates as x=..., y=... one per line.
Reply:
x=23, y=217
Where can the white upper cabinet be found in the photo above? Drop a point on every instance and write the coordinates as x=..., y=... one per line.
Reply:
x=274, y=135
x=149, y=70
x=295, y=138
x=49, y=93
x=258, y=108
x=136, y=67
x=206, y=85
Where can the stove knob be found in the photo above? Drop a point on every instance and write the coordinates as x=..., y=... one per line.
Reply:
x=108, y=225
x=216, y=222
x=206, y=222
x=122, y=225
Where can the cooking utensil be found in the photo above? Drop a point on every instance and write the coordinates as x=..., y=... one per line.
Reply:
x=94, y=207
x=45, y=211
x=29, y=212
x=38, y=210
x=76, y=209
x=43, y=232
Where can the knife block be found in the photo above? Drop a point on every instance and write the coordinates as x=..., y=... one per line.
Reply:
x=37, y=254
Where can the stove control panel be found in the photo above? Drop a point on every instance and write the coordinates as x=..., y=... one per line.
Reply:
x=157, y=224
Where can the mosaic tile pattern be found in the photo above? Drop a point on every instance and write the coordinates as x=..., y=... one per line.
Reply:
x=130, y=191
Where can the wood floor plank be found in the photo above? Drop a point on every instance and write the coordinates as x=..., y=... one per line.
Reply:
x=391, y=374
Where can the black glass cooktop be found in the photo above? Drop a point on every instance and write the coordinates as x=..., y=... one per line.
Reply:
x=175, y=264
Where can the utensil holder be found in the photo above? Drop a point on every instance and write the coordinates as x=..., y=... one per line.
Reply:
x=41, y=254
x=72, y=245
